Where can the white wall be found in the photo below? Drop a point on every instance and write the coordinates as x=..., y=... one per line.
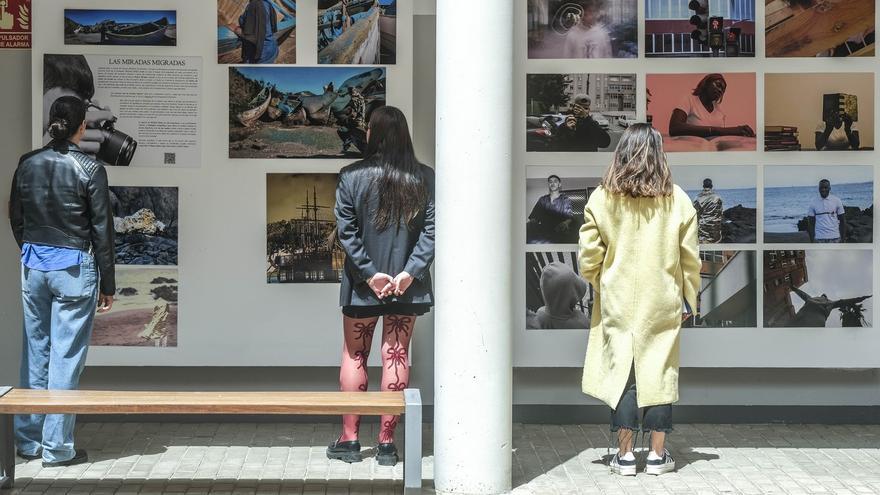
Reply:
x=700, y=347
x=699, y=386
x=228, y=314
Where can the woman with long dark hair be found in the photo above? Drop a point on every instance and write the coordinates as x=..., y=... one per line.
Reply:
x=385, y=223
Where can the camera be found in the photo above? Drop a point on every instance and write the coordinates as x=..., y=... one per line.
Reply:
x=117, y=148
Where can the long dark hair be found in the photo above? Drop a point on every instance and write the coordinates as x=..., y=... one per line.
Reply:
x=400, y=187
x=66, y=117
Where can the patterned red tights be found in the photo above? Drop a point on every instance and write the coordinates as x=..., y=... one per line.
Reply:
x=396, y=335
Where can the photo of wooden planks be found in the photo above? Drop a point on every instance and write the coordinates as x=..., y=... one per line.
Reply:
x=810, y=28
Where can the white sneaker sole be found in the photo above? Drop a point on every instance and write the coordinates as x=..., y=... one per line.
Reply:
x=624, y=470
x=661, y=469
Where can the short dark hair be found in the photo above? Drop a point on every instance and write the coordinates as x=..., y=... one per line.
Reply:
x=707, y=80
x=68, y=71
x=707, y=183
x=554, y=176
x=826, y=181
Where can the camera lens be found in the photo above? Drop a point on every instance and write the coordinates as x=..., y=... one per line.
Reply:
x=117, y=149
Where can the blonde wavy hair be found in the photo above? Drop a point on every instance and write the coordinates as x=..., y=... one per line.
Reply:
x=639, y=167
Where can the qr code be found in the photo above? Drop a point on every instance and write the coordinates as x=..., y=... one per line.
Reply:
x=170, y=158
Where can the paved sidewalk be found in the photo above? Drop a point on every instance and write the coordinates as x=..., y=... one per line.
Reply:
x=243, y=458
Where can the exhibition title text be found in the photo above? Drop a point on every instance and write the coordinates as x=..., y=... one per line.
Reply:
x=141, y=61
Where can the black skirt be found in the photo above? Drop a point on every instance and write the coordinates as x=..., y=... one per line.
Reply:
x=393, y=308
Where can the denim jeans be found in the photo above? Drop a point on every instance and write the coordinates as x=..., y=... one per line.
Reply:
x=59, y=309
x=626, y=414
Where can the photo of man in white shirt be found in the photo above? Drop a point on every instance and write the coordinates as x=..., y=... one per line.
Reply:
x=826, y=216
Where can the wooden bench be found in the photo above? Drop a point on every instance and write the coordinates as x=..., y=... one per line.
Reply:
x=24, y=401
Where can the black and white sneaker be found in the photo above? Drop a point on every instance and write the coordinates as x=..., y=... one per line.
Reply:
x=624, y=465
x=657, y=465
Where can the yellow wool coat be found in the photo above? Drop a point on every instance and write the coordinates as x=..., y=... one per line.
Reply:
x=642, y=257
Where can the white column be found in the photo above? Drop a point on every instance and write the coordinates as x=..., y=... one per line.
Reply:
x=473, y=315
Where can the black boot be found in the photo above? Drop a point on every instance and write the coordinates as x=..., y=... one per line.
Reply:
x=386, y=454
x=345, y=451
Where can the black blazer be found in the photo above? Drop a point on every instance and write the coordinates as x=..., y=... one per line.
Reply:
x=391, y=251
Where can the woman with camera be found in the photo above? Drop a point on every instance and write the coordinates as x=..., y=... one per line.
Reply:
x=70, y=75
x=59, y=211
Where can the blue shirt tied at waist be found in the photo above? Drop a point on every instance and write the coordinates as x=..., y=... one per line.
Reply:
x=48, y=258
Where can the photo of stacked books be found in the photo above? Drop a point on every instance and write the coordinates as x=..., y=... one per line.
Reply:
x=781, y=138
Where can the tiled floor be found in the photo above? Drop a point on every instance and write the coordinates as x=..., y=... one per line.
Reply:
x=130, y=458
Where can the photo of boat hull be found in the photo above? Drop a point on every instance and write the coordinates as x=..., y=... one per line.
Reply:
x=150, y=33
x=120, y=27
x=90, y=38
x=249, y=117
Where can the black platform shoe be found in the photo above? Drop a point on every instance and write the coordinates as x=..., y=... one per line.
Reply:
x=345, y=451
x=386, y=454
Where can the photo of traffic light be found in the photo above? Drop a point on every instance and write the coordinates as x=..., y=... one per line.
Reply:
x=700, y=28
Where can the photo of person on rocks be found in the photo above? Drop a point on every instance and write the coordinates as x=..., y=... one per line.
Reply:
x=819, y=204
x=725, y=198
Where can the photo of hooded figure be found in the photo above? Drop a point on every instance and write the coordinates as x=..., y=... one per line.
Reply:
x=557, y=298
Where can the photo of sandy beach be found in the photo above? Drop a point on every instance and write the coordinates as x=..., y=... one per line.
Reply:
x=144, y=310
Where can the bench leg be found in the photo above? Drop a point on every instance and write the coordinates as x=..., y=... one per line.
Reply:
x=7, y=452
x=412, y=463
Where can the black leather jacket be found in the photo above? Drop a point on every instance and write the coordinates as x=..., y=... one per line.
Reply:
x=60, y=197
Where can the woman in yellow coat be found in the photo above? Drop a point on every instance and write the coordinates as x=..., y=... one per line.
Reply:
x=639, y=250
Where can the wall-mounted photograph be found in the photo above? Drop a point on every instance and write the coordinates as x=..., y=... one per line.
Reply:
x=557, y=297
x=301, y=244
x=302, y=112
x=357, y=32
x=143, y=110
x=256, y=32
x=703, y=112
x=578, y=112
x=582, y=29
x=699, y=28
x=725, y=198
x=819, y=28
x=146, y=225
x=728, y=290
x=144, y=309
x=819, y=111
x=555, y=201
x=120, y=27
x=818, y=288
x=819, y=204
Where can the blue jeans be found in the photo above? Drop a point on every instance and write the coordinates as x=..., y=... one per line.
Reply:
x=59, y=309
